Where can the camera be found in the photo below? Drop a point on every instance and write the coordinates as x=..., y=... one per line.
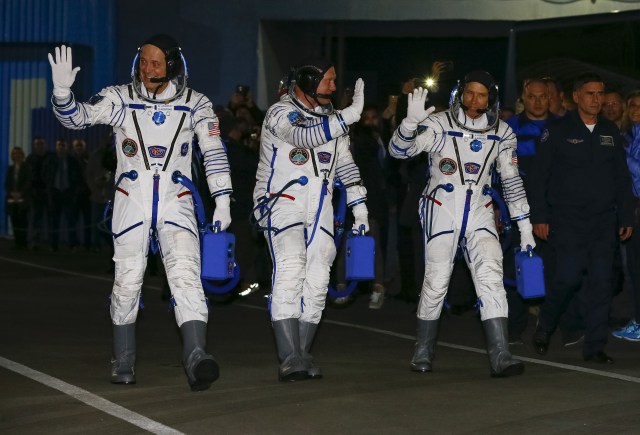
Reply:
x=242, y=90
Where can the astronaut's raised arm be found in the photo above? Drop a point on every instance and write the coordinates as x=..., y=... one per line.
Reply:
x=295, y=128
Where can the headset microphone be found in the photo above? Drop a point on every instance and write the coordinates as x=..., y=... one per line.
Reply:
x=480, y=111
x=158, y=79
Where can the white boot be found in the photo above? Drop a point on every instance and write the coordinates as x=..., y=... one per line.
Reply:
x=377, y=297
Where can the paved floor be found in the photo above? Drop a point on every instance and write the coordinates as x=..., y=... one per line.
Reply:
x=55, y=350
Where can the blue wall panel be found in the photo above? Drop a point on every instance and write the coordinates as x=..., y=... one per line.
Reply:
x=29, y=29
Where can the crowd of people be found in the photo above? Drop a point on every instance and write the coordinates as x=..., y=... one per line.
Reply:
x=567, y=166
x=58, y=195
x=583, y=224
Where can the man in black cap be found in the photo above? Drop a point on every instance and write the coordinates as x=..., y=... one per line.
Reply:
x=304, y=146
x=154, y=119
x=463, y=144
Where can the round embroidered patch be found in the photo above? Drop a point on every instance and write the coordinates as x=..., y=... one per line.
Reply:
x=129, y=147
x=159, y=118
x=476, y=145
x=299, y=156
x=294, y=117
x=447, y=166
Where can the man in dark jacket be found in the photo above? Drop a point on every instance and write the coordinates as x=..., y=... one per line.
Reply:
x=16, y=190
x=62, y=175
x=581, y=202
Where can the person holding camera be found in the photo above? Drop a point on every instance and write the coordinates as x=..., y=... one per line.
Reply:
x=154, y=118
x=304, y=146
x=463, y=144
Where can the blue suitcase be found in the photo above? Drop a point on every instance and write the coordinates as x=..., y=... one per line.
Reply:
x=360, y=258
x=218, y=254
x=529, y=274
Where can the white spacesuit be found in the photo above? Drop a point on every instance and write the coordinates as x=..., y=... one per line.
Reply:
x=302, y=151
x=153, y=135
x=454, y=212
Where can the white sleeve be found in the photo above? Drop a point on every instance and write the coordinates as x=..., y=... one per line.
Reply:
x=107, y=107
x=512, y=185
x=349, y=174
x=429, y=136
x=291, y=125
x=216, y=164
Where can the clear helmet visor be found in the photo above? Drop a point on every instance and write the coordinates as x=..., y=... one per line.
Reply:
x=180, y=81
x=455, y=104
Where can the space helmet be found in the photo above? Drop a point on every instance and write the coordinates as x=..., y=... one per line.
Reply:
x=493, y=106
x=308, y=75
x=175, y=63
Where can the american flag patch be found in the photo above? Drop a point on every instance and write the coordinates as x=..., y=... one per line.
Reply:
x=214, y=128
x=514, y=157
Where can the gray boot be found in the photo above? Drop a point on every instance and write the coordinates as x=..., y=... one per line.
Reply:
x=292, y=367
x=200, y=367
x=124, y=354
x=307, y=332
x=502, y=363
x=425, y=345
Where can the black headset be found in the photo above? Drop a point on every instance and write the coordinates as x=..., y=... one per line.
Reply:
x=308, y=78
x=175, y=65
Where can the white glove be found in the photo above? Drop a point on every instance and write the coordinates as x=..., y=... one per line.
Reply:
x=62, y=73
x=361, y=216
x=352, y=113
x=416, y=112
x=222, y=213
x=526, y=234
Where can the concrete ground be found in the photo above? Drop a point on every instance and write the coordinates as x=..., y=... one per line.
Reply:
x=55, y=348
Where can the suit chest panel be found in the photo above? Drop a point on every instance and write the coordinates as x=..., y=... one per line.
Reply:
x=155, y=133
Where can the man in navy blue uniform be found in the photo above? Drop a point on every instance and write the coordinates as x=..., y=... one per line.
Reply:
x=581, y=202
x=528, y=127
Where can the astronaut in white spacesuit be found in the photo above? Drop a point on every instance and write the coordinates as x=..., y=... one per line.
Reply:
x=304, y=146
x=154, y=119
x=464, y=144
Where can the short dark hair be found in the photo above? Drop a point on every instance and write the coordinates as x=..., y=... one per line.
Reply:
x=527, y=82
x=585, y=78
x=609, y=90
